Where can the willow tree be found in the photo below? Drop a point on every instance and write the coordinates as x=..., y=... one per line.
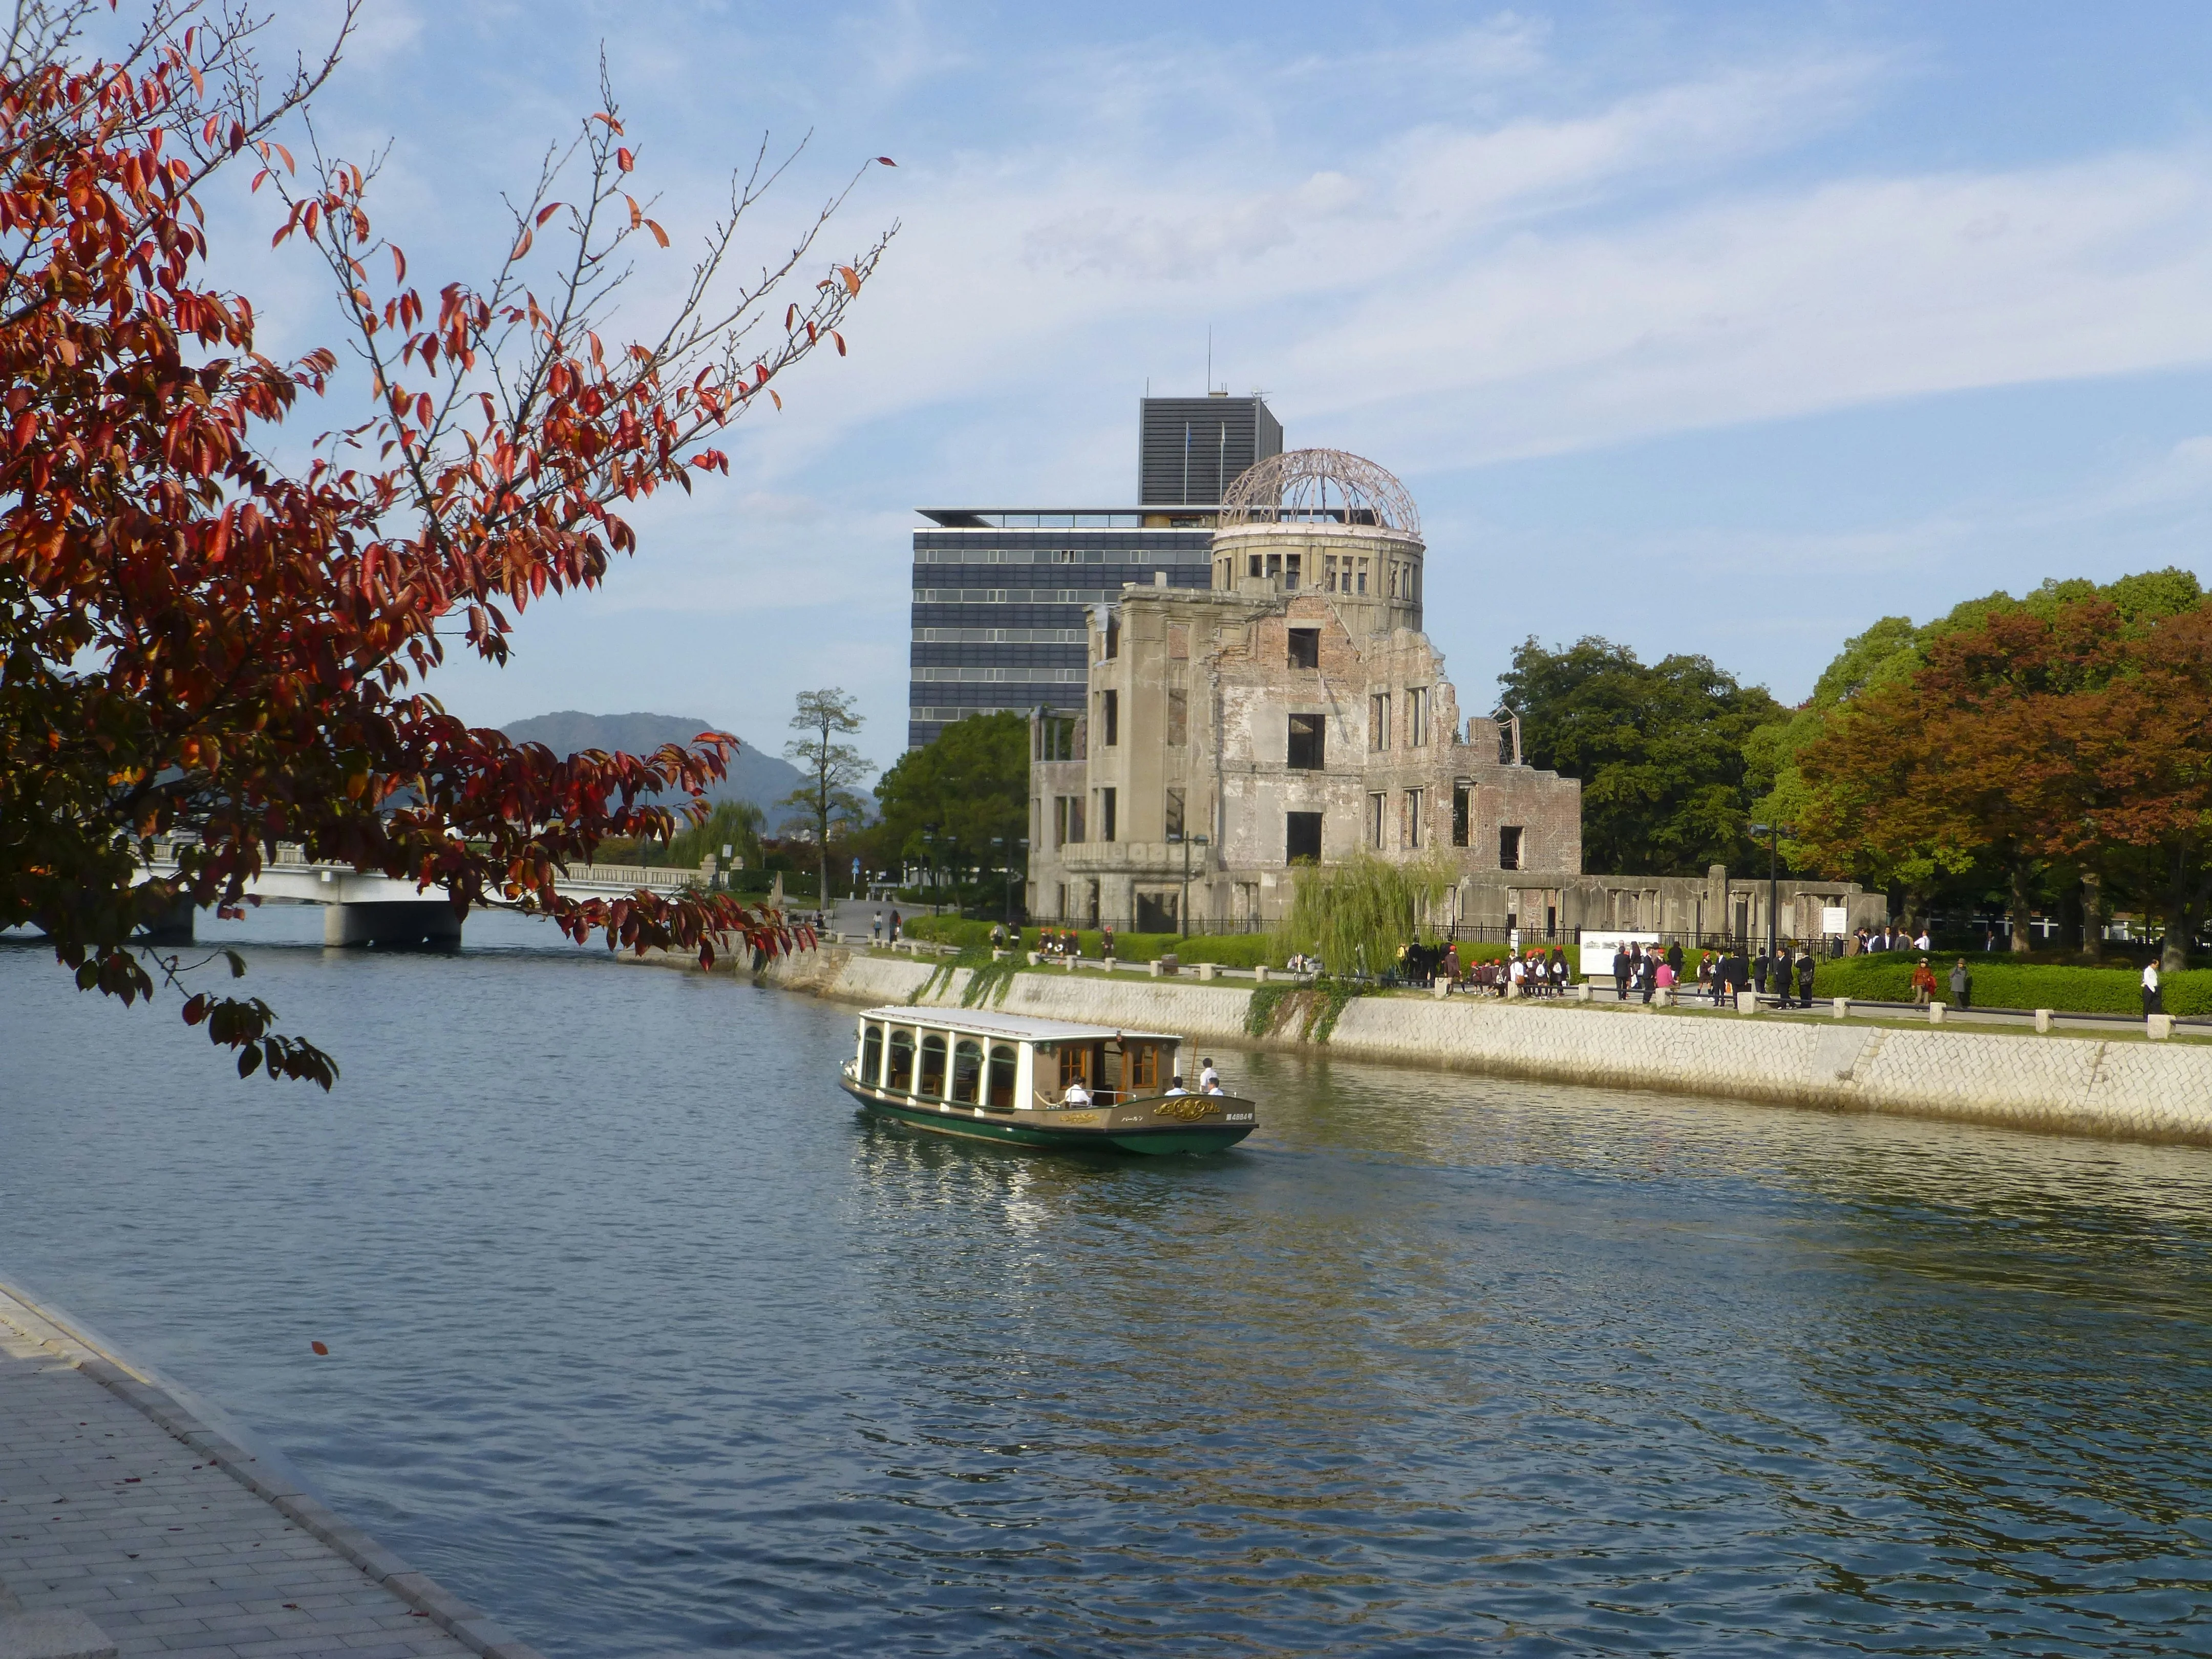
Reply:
x=1355, y=915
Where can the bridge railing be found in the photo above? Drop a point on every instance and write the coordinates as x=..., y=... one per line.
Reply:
x=658, y=877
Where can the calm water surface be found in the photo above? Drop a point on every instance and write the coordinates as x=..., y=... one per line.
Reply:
x=643, y=1340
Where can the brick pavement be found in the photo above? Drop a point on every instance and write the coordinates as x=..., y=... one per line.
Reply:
x=116, y=1502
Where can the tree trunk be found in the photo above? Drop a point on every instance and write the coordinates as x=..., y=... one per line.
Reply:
x=2017, y=907
x=2096, y=911
x=2184, y=906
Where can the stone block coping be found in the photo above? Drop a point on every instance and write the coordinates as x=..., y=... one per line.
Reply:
x=470, y=1627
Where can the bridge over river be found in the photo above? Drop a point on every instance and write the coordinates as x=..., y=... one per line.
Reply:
x=373, y=909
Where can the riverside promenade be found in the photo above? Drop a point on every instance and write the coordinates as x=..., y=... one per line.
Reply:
x=2129, y=1089
x=128, y=1527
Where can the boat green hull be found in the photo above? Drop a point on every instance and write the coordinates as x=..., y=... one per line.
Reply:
x=1131, y=1129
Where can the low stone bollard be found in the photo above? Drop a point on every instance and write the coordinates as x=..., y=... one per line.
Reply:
x=1747, y=1002
x=2161, y=1026
x=1935, y=1013
x=998, y=955
x=1071, y=962
x=1583, y=992
x=1036, y=957
x=1439, y=988
x=2042, y=1019
x=1206, y=970
x=1662, y=996
x=1840, y=1007
x=1154, y=966
x=1512, y=989
x=1260, y=974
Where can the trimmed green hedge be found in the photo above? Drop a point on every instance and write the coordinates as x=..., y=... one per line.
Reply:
x=2001, y=984
x=1230, y=949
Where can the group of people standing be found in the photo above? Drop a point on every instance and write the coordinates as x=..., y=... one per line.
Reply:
x=1530, y=974
x=1786, y=975
x=1889, y=938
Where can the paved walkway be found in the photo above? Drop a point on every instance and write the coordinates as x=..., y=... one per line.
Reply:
x=115, y=1501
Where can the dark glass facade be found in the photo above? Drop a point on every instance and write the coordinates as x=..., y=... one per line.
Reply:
x=1000, y=593
x=1001, y=598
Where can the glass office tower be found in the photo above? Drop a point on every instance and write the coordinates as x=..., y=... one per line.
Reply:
x=999, y=593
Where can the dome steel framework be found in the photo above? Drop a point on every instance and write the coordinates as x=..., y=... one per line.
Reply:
x=1319, y=486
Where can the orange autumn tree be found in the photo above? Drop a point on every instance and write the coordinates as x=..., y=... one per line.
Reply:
x=2074, y=734
x=2141, y=799
x=196, y=641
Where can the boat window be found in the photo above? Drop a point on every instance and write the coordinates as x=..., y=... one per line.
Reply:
x=1074, y=1065
x=1140, y=1069
x=872, y=1054
x=1002, y=1077
x=933, y=1066
x=901, y=1072
x=968, y=1072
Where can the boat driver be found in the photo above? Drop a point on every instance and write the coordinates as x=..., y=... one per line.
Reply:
x=1076, y=1095
x=1209, y=1080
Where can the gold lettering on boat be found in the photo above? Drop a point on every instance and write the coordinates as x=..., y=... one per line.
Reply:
x=1185, y=1109
x=1080, y=1120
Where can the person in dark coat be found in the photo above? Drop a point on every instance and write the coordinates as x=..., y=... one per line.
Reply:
x=1806, y=964
x=1621, y=965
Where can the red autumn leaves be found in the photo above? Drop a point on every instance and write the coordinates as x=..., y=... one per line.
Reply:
x=198, y=643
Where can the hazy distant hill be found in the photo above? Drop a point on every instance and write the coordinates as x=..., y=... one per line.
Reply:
x=761, y=779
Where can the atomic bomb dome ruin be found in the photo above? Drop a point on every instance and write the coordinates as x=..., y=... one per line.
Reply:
x=1284, y=706
x=1292, y=712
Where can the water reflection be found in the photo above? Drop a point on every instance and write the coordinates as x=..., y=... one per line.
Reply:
x=647, y=1342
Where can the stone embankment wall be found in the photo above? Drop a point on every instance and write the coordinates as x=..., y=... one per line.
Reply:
x=2133, y=1091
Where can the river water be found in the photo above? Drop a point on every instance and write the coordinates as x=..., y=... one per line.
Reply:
x=643, y=1340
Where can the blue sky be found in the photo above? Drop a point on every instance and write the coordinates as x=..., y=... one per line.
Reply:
x=1710, y=329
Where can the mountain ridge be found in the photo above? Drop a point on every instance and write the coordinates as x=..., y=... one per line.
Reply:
x=756, y=777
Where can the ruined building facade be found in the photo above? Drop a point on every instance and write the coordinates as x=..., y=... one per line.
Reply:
x=1292, y=712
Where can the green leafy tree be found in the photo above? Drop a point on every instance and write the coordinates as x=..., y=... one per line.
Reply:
x=1355, y=915
x=1659, y=749
x=735, y=825
x=833, y=768
x=948, y=801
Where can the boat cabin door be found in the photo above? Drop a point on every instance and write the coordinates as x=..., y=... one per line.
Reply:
x=1139, y=1067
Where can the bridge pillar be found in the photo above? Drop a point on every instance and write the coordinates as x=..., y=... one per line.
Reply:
x=402, y=921
x=173, y=926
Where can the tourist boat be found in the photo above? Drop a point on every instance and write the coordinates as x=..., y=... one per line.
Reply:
x=1005, y=1076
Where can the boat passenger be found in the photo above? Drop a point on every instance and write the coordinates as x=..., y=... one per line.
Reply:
x=1175, y=1086
x=1208, y=1078
x=1076, y=1095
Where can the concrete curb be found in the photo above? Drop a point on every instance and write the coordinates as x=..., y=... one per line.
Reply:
x=470, y=1625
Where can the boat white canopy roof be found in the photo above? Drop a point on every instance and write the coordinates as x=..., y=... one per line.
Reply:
x=1018, y=1028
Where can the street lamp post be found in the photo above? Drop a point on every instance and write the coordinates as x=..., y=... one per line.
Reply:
x=1183, y=914
x=1008, y=855
x=1774, y=833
